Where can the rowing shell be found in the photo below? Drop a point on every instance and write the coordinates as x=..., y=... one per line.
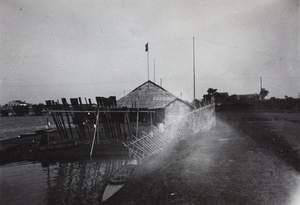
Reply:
x=118, y=179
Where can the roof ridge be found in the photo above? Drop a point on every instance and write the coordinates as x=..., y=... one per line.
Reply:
x=149, y=81
x=152, y=97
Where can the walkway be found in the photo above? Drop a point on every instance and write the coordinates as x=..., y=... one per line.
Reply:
x=220, y=166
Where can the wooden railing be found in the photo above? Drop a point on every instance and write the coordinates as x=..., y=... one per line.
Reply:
x=159, y=137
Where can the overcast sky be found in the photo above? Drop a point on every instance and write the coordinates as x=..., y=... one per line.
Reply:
x=51, y=49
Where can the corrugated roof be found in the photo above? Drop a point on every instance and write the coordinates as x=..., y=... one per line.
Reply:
x=147, y=95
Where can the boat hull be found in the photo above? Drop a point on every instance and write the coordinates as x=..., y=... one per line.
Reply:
x=118, y=180
x=110, y=190
x=37, y=132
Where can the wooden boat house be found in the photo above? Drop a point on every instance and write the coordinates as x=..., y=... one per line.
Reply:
x=114, y=120
x=153, y=97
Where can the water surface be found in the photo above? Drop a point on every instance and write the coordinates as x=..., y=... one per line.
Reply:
x=13, y=126
x=73, y=182
x=57, y=182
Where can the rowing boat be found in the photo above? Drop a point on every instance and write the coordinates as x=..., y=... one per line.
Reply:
x=37, y=132
x=118, y=179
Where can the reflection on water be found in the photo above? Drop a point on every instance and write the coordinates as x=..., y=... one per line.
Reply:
x=78, y=182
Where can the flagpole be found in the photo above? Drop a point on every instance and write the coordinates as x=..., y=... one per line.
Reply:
x=148, y=61
x=194, y=66
x=154, y=68
x=147, y=50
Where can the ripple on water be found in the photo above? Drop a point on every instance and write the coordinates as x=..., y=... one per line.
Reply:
x=80, y=182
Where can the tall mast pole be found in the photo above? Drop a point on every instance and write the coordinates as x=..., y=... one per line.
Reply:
x=154, y=68
x=260, y=83
x=148, y=59
x=194, y=67
x=147, y=50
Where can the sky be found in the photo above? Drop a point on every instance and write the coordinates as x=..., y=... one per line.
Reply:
x=86, y=48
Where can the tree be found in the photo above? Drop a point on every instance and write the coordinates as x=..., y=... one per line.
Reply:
x=290, y=103
x=210, y=95
x=263, y=93
x=211, y=91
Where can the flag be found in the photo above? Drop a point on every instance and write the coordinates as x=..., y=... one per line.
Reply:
x=146, y=47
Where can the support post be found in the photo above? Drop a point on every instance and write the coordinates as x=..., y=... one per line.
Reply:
x=95, y=134
x=69, y=124
x=137, y=119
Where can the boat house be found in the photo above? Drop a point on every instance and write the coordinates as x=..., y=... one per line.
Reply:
x=150, y=96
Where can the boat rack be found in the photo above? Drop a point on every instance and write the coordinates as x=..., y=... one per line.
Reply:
x=97, y=122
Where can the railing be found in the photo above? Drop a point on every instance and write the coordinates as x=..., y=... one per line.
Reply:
x=156, y=140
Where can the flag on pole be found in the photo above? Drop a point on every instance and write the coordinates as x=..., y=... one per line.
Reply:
x=146, y=47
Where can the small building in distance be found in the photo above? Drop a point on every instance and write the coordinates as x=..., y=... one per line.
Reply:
x=153, y=97
x=248, y=97
x=220, y=98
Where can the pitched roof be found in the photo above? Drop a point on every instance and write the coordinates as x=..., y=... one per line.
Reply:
x=183, y=102
x=147, y=95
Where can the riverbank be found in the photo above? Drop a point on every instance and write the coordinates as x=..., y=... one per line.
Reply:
x=238, y=162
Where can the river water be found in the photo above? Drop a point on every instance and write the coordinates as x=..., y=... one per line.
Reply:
x=11, y=127
x=55, y=182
